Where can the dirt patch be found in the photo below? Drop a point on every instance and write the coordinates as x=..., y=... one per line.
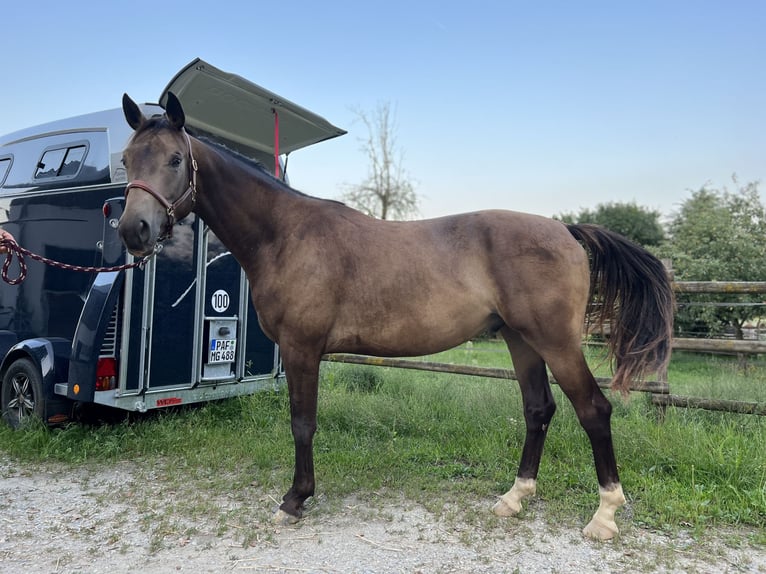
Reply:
x=125, y=518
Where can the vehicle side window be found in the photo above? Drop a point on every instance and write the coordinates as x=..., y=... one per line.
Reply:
x=5, y=167
x=73, y=160
x=61, y=162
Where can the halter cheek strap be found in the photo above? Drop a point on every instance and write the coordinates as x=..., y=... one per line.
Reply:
x=170, y=208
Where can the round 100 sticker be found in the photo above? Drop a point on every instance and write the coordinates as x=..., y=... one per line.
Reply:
x=220, y=301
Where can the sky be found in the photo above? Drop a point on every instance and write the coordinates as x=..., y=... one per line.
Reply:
x=546, y=107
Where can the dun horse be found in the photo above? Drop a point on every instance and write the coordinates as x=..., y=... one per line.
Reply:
x=326, y=278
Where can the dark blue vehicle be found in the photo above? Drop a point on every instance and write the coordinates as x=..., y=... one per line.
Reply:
x=179, y=330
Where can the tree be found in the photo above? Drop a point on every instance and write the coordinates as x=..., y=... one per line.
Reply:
x=640, y=224
x=388, y=192
x=719, y=235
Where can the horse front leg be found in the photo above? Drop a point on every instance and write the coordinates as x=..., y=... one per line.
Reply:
x=302, y=383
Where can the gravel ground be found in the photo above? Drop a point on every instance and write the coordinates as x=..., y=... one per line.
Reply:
x=126, y=518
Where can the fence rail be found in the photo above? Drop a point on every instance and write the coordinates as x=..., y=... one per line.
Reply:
x=655, y=387
x=719, y=287
x=729, y=406
x=720, y=345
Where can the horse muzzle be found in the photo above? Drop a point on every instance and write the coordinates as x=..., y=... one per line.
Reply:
x=138, y=236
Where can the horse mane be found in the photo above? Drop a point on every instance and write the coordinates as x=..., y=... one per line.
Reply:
x=232, y=153
x=253, y=164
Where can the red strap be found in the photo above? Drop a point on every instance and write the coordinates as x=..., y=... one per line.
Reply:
x=276, y=142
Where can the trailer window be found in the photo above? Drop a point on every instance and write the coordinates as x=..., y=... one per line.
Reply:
x=5, y=167
x=60, y=162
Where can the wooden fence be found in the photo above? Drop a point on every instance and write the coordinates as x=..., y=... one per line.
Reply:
x=659, y=389
x=716, y=346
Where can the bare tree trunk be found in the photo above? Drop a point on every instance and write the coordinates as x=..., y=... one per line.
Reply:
x=387, y=192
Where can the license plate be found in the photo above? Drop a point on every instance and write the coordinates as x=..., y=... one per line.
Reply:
x=222, y=350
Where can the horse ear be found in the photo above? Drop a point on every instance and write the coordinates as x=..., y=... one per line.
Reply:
x=132, y=112
x=174, y=111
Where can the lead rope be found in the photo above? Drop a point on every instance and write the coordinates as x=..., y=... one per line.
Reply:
x=14, y=248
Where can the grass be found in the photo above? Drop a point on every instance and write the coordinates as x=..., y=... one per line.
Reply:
x=718, y=377
x=439, y=438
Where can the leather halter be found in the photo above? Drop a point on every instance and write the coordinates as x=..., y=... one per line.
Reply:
x=170, y=208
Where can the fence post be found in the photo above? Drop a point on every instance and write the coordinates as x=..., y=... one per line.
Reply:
x=662, y=374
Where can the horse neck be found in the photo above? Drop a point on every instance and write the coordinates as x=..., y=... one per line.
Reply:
x=240, y=205
x=247, y=209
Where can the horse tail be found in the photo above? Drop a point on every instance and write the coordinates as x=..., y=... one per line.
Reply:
x=630, y=290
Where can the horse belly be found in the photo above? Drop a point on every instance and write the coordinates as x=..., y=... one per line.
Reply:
x=405, y=329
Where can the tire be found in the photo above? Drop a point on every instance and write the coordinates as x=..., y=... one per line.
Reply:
x=21, y=397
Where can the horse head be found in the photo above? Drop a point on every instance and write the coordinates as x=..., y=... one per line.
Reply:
x=161, y=176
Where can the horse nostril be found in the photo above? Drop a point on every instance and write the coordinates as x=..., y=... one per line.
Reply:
x=136, y=233
x=144, y=231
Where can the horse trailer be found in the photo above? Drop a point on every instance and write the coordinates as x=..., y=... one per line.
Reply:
x=178, y=329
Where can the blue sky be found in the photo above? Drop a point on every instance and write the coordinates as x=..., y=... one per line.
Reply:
x=545, y=107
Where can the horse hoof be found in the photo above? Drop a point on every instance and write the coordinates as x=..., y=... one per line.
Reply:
x=601, y=530
x=506, y=508
x=510, y=503
x=281, y=518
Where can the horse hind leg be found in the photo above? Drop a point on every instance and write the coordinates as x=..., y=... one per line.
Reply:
x=594, y=413
x=539, y=408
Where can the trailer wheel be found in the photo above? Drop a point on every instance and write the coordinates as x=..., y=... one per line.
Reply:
x=21, y=397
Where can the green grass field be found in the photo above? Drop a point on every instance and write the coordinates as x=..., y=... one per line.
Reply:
x=437, y=438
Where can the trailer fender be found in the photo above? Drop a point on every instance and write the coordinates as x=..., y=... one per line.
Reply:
x=91, y=328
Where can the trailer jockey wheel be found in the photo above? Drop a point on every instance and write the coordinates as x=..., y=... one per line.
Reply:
x=22, y=394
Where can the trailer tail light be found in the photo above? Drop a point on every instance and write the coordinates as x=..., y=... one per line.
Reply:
x=106, y=374
x=106, y=209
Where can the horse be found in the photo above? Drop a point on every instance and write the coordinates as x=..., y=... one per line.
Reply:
x=326, y=278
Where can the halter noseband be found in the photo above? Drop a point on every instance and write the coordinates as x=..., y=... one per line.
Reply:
x=170, y=208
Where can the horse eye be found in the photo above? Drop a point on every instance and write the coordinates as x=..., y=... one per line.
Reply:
x=175, y=161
